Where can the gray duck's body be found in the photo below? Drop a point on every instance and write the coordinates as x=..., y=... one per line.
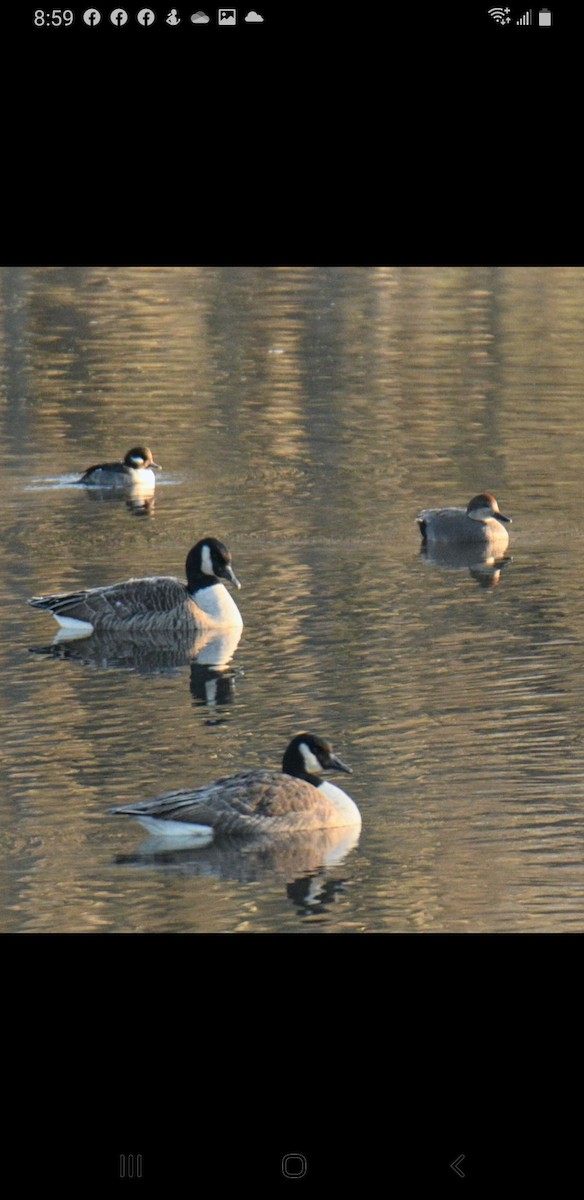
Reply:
x=137, y=469
x=159, y=604
x=255, y=804
x=480, y=523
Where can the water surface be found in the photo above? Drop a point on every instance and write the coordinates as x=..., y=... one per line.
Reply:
x=304, y=416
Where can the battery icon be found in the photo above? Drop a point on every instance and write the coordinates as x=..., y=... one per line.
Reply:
x=545, y=16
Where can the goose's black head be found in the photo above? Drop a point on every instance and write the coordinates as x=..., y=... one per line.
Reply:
x=207, y=563
x=308, y=755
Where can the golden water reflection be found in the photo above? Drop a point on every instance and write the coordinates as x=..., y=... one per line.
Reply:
x=305, y=416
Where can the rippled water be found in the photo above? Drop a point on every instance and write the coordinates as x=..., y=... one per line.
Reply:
x=305, y=416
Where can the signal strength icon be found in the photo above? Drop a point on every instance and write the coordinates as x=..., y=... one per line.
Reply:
x=500, y=15
x=526, y=19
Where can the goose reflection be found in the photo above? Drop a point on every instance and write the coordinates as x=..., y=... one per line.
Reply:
x=209, y=655
x=313, y=895
x=299, y=860
x=483, y=566
x=212, y=686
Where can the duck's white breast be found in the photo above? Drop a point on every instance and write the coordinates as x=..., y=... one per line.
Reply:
x=144, y=476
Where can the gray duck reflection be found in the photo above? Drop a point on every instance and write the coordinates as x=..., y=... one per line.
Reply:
x=483, y=566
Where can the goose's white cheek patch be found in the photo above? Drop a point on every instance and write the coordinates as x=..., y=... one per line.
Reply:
x=206, y=563
x=311, y=763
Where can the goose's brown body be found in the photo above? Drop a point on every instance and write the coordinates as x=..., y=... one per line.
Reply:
x=258, y=803
x=137, y=604
x=158, y=605
x=249, y=804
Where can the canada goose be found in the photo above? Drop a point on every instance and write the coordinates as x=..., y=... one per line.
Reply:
x=256, y=803
x=138, y=467
x=157, y=604
x=480, y=522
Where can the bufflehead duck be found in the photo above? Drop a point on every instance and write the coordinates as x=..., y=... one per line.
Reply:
x=157, y=604
x=256, y=803
x=138, y=467
x=480, y=522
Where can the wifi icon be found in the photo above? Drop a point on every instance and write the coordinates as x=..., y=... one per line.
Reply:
x=500, y=15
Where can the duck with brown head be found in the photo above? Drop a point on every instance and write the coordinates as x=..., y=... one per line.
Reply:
x=481, y=522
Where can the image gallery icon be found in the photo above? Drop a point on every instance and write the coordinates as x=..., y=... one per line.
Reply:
x=227, y=16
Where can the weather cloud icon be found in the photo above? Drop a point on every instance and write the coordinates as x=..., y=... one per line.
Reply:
x=253, y=16
x=200, y=18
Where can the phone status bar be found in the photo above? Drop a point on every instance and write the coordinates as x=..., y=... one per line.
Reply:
x=146, y=17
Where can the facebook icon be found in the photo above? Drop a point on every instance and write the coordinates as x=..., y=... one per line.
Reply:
x=146, y=16
x=91, y=16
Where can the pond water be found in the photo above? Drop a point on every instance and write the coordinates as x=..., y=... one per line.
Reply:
x=304, y=416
